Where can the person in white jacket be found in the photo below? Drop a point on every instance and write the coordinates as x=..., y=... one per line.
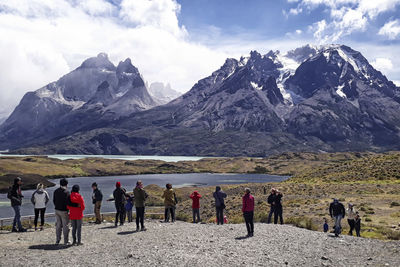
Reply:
x=39, y=199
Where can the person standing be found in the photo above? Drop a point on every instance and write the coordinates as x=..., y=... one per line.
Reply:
x=119, y=199
x=219, y=197
x=278, y=209
x=357, y=224
x=140, y=197
x=129, y=207
x=337, y=212
x=248, y=211
x=195, y=196
x=76, y=215
x=351, y=214
x=39, y=199
x=271, y=202
x=169, y=202
x=15, y=196
x=97, y=198
x=61, y=199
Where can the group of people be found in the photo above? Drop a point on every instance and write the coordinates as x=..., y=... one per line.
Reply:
x=69, y=207
x=337, y=212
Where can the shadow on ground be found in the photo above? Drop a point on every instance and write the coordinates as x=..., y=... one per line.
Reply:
x=49, y=247
x=127, y=233
x=242, y=237
x=108, y=227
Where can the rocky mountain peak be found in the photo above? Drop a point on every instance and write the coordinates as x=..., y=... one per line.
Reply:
x=101, y=61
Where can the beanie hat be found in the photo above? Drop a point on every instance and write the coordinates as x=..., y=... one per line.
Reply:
x=94, y=184
x=118, y=184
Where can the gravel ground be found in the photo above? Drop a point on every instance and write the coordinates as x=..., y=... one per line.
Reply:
x=184, y=244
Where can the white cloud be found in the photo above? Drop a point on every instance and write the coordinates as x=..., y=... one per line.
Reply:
x=346, y=16
x=382, y=64
x=48, y=38
x=391, y=29
x=397, y=83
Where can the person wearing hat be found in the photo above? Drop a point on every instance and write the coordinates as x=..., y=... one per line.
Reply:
x=195, y=196
x=119, y=200
x=337, y=212
x=76, y=215
x=351, y=215
x=61, y=200
x=15, y=196
x=97, y=198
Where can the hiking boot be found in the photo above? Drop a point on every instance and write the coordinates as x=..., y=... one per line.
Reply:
x=22, y=230
x=14, y=230
x=143, y=229
x=137, y=229
x=79, y=244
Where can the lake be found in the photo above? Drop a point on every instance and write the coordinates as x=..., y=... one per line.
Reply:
x=107, y=185
x=121, y=157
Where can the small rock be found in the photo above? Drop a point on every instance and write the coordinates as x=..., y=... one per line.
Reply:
x=286, y=262
x=324, y=258
x=130, y=255
x=370, y=259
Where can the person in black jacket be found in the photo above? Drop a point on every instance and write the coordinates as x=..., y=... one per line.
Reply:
x=61, y=200
x=97, y=198
x=278, y=209
x=15, y=195
x=271, y=201
x=337, y=212
x=119, y=199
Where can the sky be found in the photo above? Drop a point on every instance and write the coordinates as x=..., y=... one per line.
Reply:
x=180, y=41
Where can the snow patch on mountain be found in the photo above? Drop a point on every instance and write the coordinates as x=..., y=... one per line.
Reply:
x=256, y=86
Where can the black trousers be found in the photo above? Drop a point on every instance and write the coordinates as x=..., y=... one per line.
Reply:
x=357, y=226
x=351, y=224
x=41, y=212
x=248, y=218
x=120, y=214
x=139, y=216
x=220, y=215
x=278, y=211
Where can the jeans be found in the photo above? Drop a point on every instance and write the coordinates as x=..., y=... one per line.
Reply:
x=41, y=211
x=220, y=215
x=351, y=224
x=62, y=221
x=248, y=217
x=338, y=226
x=97, y=207
x=17, y=217
x=140, y=217
x=120, y=214
x=278, y=213
x=271, y=212
x=169, y=210
x=76, y=230
x=196, y=213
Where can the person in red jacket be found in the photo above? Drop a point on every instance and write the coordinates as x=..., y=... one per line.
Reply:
x=248, y=211
x=76, y=215
x=195, y=196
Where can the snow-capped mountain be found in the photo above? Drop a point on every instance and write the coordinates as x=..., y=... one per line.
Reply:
x=162, y=93
x=95, y=92
x=325, y=98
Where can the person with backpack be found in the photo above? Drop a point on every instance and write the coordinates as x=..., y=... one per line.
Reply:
x=278, y=209
x=271, y=202
x=61, y=199
x=195, y=196
x=39, y=199
x=337, y=212
x=140, y=196
x=351, y=214
x=97, y=198
x=15, y=196
x=248, y=211
x=119, y=200
x=219, y=197
x=76, y=215
x=170, y=202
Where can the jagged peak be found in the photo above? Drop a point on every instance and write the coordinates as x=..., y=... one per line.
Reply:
x=126, y=66
x=101, y=61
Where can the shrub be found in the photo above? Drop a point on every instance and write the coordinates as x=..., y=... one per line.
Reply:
x=302, y=222
x=394, y=204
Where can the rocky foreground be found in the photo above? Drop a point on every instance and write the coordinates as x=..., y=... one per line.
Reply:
x=184, y=244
